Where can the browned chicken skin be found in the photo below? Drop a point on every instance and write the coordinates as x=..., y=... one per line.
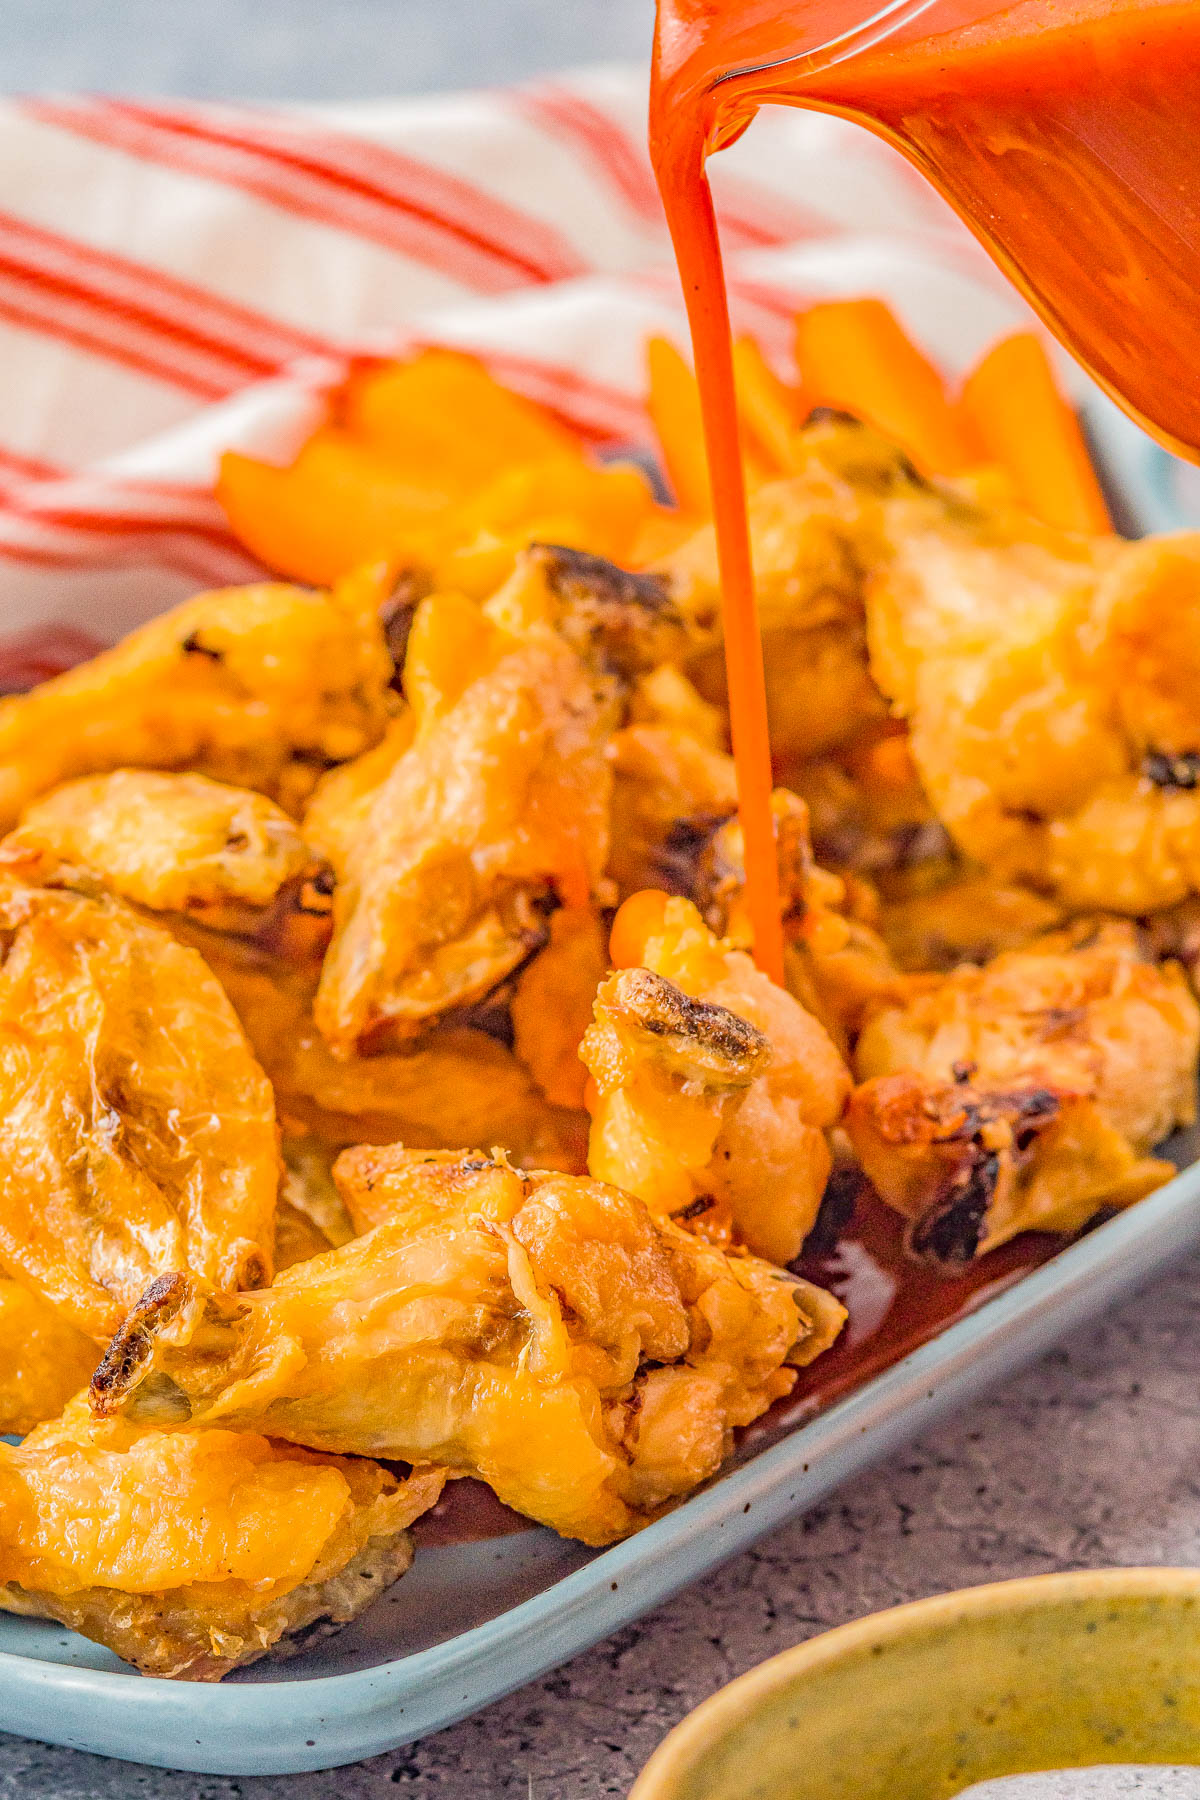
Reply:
x=1027, y=1094
x=259, y=686
x=172, y=843
x=137, y=1132
x=539, y=1331
x=712, y=1084
x=498, y=811
x=191, y=1553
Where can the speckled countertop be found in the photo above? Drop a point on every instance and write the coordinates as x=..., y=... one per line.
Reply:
x=1091, y=1458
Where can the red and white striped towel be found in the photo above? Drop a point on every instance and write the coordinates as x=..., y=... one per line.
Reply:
x=175, y=278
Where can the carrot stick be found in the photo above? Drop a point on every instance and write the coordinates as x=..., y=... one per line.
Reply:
x=638, y=920
x=769, y=408
x=338, y=504
x=854, y=355
x=443, y=413
x=674, y=406
x=1012, y=405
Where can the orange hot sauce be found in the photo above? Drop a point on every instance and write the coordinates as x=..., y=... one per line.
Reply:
x=1066, y=133
x=698, y=253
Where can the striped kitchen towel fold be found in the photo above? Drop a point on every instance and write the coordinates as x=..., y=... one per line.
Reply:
x=177, y=277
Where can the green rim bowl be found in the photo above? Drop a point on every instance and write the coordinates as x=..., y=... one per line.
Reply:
x=1052, y=1672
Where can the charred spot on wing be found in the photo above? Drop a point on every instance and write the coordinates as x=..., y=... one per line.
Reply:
x=679, y=859
x=576, y=574
x=1036, y=1109
x=396, y=616
x=833, y=415
x=193, y=645
x=959, y=1114
x=695, y=1209
x=834, y=1216
x=726, y=1039
x=949, y=1233
x=883, y=465
x=1178, y=774
x=629, y=620
x=132, y=1347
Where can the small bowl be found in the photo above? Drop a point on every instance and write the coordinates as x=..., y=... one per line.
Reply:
x=1051, y=1672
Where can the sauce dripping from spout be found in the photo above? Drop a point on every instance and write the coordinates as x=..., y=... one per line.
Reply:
x=698, y=252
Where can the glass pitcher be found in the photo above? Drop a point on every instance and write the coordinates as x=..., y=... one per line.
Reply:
x=1066, y=134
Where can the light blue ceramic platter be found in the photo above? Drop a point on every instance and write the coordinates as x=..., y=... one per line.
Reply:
x=473, y=1621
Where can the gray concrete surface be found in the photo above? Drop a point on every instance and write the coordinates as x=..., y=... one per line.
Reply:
x=306, y=49
x=1092, y=1458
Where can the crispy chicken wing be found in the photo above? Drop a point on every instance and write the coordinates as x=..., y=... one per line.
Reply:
x=457, y=1087
x=1025, y=1095
x=538, y=1331
x=870, y=817
x=1048, y=685
x=667, y=1072
x=499, y=809
x=710, y=1083
x=339, y=804
x=137, y=1132
x=259, y=686
x=173, y=843
x=814, y=537
x=969, y=920
x=836, y=964
x=190, y=1553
